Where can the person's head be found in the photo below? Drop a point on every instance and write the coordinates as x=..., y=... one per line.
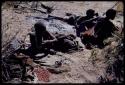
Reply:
x=90, y=13
x=39, y=26
x=111, y=13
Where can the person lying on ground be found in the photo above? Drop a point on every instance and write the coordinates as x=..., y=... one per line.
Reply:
x=66, y=42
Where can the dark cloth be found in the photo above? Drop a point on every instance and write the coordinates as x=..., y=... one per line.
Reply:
x=72, y=20
x=13, y=67
x=88, y=39
x=64, y=43
x=103, y=29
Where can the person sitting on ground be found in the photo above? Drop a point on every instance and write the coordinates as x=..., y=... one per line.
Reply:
x=104, y=27
x=100, y=31
x=41, y=40
x=44, y=39
x=83, y=24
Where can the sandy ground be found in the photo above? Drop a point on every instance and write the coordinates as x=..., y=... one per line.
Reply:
x=83, y=67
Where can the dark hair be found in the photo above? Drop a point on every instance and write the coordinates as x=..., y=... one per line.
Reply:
x=90, y=12
x=110, y=13
x=40, y=26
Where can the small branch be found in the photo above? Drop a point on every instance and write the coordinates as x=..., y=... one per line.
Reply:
x=34, y=9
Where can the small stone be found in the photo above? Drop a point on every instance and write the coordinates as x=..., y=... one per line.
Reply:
x=114, y=43
x=39, y=55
